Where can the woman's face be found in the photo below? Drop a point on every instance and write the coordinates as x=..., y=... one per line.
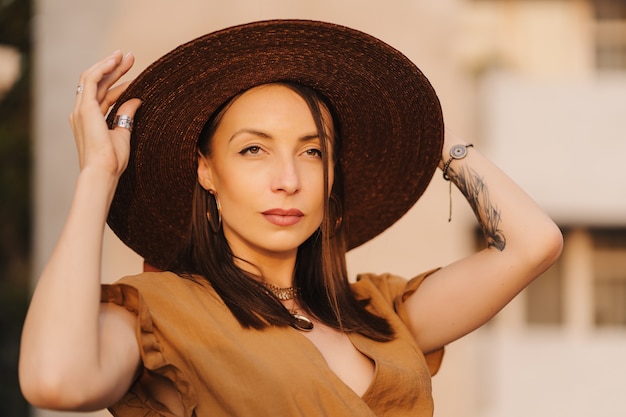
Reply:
x=266, y=168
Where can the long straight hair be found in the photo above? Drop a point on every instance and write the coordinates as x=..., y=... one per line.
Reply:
x=321, y=278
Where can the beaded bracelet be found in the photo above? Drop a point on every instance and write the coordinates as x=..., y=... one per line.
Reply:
x=456, y=152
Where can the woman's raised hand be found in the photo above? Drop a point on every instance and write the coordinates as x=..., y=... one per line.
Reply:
x=98, y=146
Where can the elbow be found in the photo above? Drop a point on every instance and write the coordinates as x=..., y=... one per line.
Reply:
x=39, y=391
x=554, y=244
x=39, y=396
x=536, y=250
x=547, y=248
x=51, y=391
x=36, y=382
x=43, y=392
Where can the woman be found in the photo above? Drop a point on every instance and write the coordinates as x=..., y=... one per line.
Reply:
x=259, y=155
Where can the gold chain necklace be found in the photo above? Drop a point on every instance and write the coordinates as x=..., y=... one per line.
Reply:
x=284, y=294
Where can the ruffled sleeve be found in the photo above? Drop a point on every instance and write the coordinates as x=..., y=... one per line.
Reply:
x=156, y=360
x=396, y=290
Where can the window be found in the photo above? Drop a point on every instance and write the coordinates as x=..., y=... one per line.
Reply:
x=604, y=290
x=610, y=36
x=611, y=46
x=609, y=9
x=544, y=298
x=609, y=281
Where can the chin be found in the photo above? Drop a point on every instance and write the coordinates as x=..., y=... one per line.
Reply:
x=283, y=246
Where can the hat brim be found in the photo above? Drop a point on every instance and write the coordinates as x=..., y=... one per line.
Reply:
x=389, y=116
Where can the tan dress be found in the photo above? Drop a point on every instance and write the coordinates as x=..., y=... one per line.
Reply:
x=187, y=335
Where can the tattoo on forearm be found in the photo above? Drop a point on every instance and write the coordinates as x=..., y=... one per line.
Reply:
x=475, y=190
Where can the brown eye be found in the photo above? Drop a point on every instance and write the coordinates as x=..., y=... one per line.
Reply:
x=252, y=150
x=314, y=152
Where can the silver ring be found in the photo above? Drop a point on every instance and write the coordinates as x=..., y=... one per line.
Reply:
x=122, y=120
x=79, y=89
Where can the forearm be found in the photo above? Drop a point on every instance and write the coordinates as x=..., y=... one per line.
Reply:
x=512, y=223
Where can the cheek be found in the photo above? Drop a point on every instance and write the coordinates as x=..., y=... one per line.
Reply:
x=240, y=190
x=234, y=187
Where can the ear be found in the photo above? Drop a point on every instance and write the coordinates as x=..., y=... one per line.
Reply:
x=205, y=172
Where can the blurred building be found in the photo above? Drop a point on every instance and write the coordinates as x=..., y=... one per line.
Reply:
x=539, y=86
x=552, y=99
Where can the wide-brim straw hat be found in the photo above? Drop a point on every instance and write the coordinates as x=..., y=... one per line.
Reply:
x=390, y=121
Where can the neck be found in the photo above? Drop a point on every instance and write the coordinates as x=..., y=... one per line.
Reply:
x=276, y=270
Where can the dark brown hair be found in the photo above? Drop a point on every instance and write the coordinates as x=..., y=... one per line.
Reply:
x=320, y=270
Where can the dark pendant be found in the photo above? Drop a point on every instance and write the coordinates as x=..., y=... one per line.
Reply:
x=302, y=323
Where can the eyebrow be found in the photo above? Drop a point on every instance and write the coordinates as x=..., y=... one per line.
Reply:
x=305, y=138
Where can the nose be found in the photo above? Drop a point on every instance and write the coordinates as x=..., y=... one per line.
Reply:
x=286, y=177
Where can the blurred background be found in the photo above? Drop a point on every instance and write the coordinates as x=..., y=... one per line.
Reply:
x=538, y=85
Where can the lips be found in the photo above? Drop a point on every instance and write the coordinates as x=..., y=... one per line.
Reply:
x=282, y=217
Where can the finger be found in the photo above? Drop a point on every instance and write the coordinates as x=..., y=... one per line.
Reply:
x=109, y=79
x=120, y=134
x=97, y=80
x=112, y=96
x=87, y=105
x=124, y=117
x=89, y=79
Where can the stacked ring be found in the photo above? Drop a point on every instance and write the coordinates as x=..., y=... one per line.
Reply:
x=122, y=120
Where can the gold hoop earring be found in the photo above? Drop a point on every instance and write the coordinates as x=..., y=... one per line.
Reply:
x=214, y=212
